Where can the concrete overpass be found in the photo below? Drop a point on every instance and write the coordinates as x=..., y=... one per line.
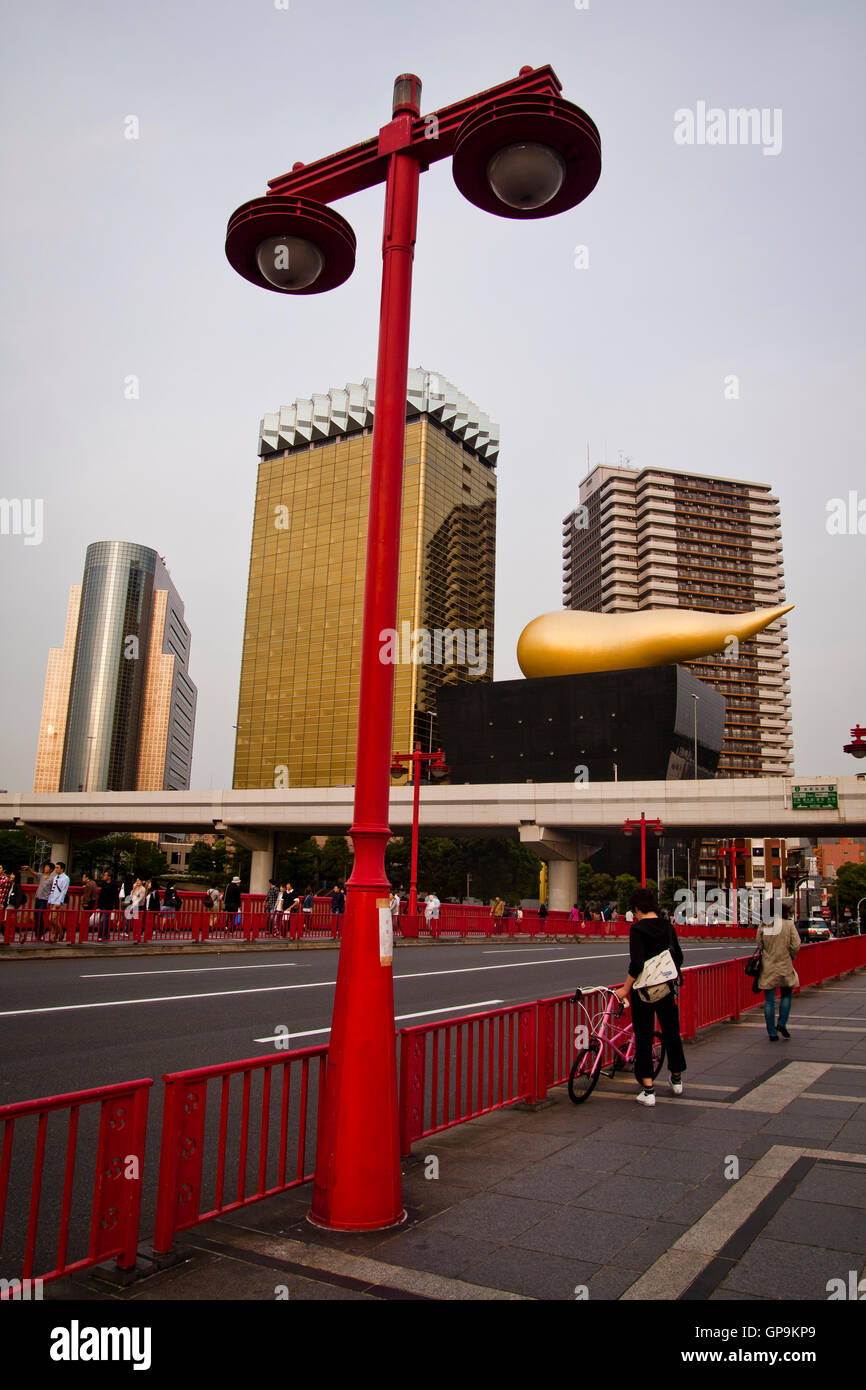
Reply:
x=560, y=821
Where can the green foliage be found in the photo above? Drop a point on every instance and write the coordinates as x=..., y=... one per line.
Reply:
x=17, y=848
x=335, y=860
x=623, y=886
x=669, y=887
x=495, y=867
x=121, y=854
x=599, y=891
x=851, y=886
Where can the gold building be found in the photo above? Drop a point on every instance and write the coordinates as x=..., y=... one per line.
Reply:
x=298, y=702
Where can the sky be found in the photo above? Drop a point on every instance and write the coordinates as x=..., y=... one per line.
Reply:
x=702, y=262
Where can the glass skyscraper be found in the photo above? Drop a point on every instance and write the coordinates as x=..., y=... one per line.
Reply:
x=119, y=706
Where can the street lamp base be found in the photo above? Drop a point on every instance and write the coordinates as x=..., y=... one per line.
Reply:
x=354, y=1226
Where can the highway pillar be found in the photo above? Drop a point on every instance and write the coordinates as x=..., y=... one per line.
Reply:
x=562, y=853
x=261, y=844
x=262, y=868
x=563, y=884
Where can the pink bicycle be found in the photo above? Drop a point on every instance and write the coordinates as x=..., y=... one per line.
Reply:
x=592, y=1036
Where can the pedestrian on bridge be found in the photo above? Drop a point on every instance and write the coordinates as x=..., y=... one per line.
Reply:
x=778, y=945
x=650, y=935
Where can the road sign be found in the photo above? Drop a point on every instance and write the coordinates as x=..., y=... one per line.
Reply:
x=814, y=796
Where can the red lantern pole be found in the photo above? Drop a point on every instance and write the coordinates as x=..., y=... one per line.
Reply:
x=439, y=768
x=416, y=809
x=357, y=1183
x=547, y=158
x=627, y=829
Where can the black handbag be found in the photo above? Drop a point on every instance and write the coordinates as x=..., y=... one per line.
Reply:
x=752, y=966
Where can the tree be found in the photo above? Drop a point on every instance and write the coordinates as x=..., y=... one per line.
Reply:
x=200, y=863
x=336, y=859
x=498, y=866
x=600, y=890
x=623, y=886
x=121, y=854
x=669, y=887
x=17, y=847
x=851, y=886
x=585, y=873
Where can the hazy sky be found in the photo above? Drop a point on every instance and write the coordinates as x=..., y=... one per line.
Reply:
x=705, y=261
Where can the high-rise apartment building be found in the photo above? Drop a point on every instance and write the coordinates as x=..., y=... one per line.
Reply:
x=298, y=701
x=654, y=538
x=118, y=712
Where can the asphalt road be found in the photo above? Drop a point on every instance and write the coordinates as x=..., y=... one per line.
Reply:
x=68, y=1025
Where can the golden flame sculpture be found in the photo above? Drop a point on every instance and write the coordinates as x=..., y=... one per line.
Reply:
x=570, y=643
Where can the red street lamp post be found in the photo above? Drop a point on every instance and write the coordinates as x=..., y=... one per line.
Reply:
x=519, y=150
x=733, y=851
x=857, y=748
x=657, y=829
x=439, y=769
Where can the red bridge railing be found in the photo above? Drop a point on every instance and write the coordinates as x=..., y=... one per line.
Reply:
x=465, y=1067
x=236, y=1134
x=117, y=1167
x=266, y=1132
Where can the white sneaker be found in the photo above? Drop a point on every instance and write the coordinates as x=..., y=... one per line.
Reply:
x=646, y=1098
x=677, y=1087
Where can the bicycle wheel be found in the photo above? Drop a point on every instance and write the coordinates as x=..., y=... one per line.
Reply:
x=658, y=1054
x=584, y=1072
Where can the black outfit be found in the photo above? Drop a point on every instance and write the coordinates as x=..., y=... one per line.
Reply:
x=646, y=939
x=106, y=903
x=338, y=902
x=232, y=899
x=542, y=912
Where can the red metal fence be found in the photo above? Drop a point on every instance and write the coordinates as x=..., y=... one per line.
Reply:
x=72, y=926
x=456, y=1070
x=258, y=1137
x=269, y=1156
x=116, y=1153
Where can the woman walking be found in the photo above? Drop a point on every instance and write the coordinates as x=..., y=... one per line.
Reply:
x=650, y=935
x=778, y=945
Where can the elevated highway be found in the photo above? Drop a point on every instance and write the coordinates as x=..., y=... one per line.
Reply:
x=559, y=820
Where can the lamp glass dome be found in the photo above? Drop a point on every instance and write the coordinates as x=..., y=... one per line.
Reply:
x=289, y=262
x=526, y=176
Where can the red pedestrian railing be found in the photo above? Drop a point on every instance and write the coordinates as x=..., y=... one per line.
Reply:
x=256, y=1137
x=465, y=1067
x=268, y=1156
x=73, y=926
x=113, y=1138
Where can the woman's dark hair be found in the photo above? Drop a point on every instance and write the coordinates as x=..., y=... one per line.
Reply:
x=643, y=900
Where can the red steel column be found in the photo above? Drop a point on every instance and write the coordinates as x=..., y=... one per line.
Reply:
x=643, y=850
x=416, y=801
x=357, y=1182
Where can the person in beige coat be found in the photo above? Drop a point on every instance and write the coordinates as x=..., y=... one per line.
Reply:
x=778, y=945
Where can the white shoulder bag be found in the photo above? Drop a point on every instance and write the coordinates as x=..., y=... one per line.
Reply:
x=656, y=978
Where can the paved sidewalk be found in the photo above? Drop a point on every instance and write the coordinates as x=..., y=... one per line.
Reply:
x=752, y=1186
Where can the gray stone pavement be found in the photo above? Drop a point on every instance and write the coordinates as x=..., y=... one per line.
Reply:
x=750, y=1186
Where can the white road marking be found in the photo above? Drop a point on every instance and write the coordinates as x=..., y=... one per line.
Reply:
x=317, y=984
x=400, y=1018
x=162, y=999
x=196, y=970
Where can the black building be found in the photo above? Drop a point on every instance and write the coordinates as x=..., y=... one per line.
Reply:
x=635, y=725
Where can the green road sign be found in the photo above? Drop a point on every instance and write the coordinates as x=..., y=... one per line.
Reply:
x=814, y=796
